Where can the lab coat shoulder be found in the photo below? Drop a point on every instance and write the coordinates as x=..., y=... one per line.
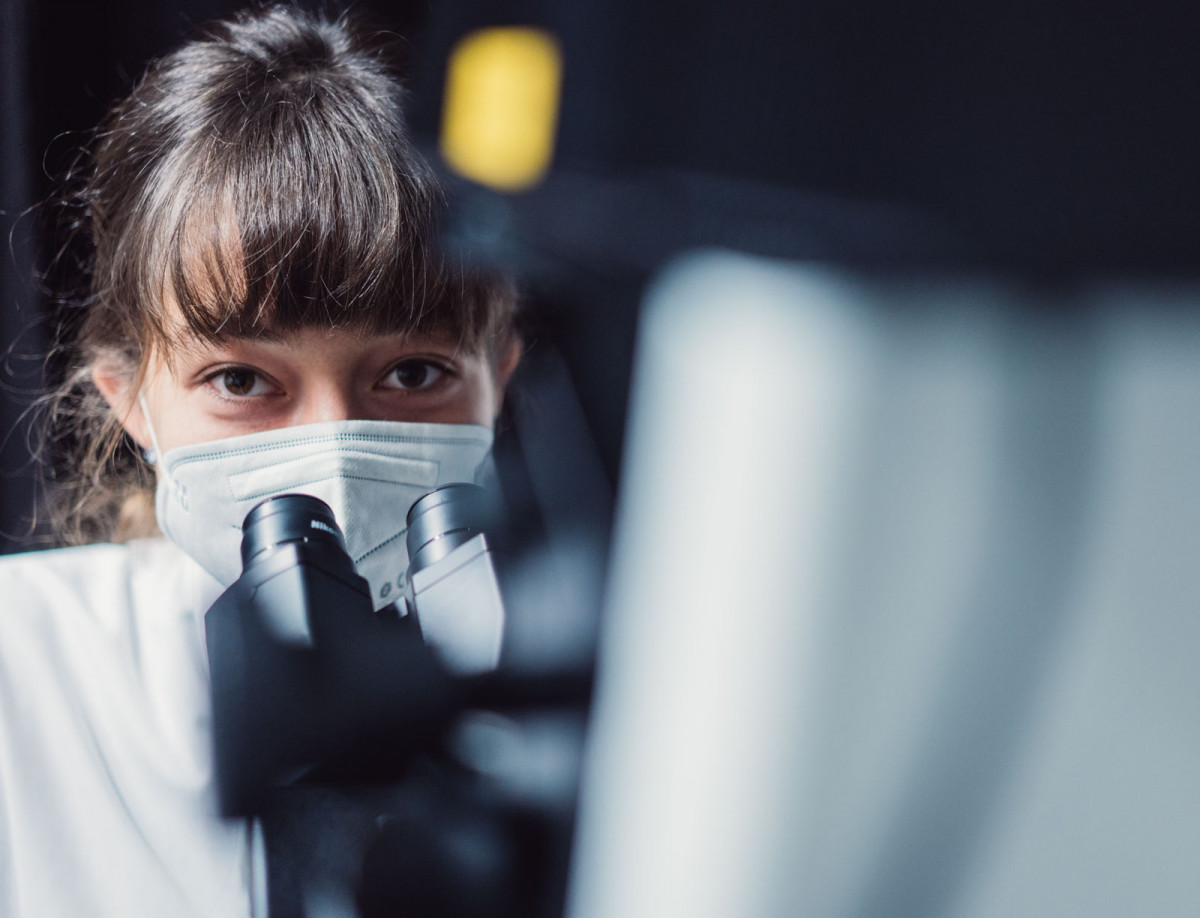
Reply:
x=91, y=583
x=86, y=604
x=106, y=799
x=58, y=606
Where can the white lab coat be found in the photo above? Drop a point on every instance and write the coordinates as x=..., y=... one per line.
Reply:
x=107, y=803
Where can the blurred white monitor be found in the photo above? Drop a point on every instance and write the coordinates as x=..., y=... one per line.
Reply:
x=904, y=615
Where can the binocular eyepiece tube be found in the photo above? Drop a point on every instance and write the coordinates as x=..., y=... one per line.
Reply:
x=444, y=519
x=289, y=518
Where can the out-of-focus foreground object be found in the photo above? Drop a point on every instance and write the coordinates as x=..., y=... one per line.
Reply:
x=501, y=107
x=903, y=613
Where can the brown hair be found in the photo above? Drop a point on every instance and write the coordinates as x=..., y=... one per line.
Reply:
x=259, y=178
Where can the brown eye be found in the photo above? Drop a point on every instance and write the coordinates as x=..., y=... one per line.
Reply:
x=413, y=374
x=238, y=382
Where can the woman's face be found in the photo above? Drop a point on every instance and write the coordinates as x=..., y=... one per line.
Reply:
x=210, y=391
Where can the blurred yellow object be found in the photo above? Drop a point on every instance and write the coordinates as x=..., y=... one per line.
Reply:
x=501, y=106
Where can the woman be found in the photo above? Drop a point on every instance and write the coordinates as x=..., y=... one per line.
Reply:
x=265, y=313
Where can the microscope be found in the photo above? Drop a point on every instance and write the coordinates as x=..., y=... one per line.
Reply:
x=363, y=746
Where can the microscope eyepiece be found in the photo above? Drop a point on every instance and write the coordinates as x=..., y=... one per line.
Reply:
x=289, y=518
x=443, y=519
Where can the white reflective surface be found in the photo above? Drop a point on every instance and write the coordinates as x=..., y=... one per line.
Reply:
x=905, y=606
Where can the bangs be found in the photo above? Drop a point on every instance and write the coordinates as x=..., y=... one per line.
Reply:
x=301, y=214
x=262, y=181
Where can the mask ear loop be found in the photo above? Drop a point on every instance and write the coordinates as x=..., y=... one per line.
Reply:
x=151, y=455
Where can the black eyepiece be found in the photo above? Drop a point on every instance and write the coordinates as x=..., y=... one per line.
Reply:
x=289, y=518
x=445, y=518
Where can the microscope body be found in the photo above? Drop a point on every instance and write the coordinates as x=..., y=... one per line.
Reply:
x=333, y=724
x=306, y=678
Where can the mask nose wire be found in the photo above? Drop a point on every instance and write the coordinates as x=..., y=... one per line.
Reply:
x=150, y=454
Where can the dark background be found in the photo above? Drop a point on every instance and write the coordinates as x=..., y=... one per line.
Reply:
x=1026, y=138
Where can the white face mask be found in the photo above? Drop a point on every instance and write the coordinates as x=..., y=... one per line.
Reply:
x=369, y=472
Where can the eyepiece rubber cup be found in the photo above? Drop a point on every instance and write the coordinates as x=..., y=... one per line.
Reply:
x=443, y=519
x=288, y=518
